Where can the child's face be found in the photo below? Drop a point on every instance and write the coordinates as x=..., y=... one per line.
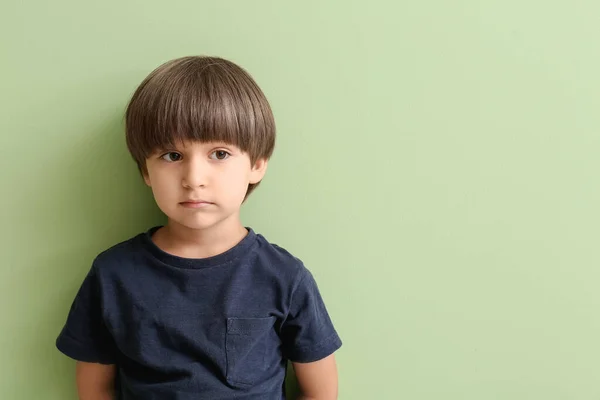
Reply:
x=199, y=185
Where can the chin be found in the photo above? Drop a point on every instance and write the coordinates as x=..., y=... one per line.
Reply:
x=195, y=223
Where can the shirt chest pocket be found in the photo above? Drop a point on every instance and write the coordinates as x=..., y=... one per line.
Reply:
x=246, y=348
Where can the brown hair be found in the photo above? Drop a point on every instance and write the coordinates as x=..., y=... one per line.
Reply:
x=201, y=99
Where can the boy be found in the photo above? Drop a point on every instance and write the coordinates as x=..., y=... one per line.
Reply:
x=201, y=308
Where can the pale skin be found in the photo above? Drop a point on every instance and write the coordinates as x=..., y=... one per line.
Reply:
x=201, y=187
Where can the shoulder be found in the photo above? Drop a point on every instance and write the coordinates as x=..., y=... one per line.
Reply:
x=278, y=261
x=124, y=253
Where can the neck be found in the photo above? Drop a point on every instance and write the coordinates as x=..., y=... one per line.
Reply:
x=185, y=242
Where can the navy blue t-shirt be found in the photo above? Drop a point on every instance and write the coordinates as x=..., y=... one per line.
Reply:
x=216, y=328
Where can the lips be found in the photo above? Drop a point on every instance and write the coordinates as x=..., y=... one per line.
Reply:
x=195, y=203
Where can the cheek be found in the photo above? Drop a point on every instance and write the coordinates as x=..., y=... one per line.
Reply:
x=162, y=186
x=237, y=180
x=230, y=187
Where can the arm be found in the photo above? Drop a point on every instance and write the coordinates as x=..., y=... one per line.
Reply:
x=318, y=380
x=95, y=381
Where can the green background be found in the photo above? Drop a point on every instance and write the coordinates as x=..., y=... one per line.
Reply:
x=436, y=169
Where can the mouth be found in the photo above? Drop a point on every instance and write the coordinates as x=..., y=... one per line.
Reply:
x=195, y=204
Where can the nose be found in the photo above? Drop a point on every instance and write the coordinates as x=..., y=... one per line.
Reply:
x=195, y=174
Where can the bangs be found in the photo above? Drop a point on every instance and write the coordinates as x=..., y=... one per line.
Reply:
x=199, y=99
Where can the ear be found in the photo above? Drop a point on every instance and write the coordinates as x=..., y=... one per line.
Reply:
x=147, y=179
x=258, y=170
x=144, y=171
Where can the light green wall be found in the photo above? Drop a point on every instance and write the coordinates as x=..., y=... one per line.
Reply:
x=436, y=168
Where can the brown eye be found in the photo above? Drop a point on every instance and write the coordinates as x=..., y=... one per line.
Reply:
x=171, y=156
x=219, y=155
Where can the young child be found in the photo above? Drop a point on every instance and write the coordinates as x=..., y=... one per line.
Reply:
x=201, y=308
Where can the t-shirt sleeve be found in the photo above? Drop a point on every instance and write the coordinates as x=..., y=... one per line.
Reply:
x=307, y=333
x=85, y=336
